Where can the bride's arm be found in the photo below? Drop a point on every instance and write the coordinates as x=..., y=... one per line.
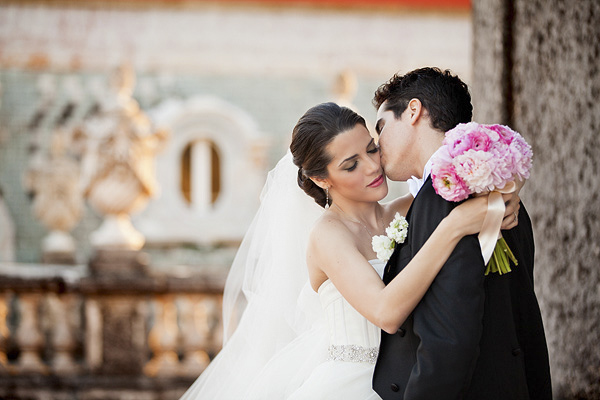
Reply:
x=402, y=203
x=333, y=249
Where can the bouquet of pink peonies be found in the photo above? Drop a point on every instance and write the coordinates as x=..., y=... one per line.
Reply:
x=477, y=158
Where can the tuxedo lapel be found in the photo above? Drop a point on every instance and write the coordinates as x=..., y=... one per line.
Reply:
x=403, y=250
x=392, y=267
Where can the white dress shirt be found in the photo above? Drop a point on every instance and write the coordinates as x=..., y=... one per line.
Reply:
x=415, y=184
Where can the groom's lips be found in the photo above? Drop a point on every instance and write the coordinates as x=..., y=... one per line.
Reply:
x=377, y=182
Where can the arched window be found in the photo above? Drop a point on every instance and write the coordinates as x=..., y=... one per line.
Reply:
x=200, y=174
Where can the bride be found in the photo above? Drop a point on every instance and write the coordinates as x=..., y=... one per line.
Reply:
x=304, y=301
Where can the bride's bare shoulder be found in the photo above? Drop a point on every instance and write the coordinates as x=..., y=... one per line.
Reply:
x=328, y=231
x=327, y=224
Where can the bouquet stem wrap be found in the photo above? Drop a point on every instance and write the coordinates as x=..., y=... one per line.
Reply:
x=490, y=238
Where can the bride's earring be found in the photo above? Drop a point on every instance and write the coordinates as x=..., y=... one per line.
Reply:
x=327, y=198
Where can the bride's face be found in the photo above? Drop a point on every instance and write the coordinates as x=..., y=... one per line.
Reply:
x=355, y=170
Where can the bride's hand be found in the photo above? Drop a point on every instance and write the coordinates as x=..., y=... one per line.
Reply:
x=511, y=213
x=512, y=202
x=469, y=216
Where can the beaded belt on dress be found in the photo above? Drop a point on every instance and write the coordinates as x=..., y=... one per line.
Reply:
x=353, y=353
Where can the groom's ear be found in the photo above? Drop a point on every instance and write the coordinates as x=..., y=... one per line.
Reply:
x=414, y=110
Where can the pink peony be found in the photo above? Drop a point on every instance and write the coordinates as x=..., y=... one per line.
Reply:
x=468, y=136
x=521, y=157
x=481, y=141
x=447, y=183
x=475, y=170
x=501, y=164
x=460, y=145
x=504, y=132
x=479, y=158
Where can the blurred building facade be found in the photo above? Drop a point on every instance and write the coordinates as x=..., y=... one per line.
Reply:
x=135, y=138
x=226, y=79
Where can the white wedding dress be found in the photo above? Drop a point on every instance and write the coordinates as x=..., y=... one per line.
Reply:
x=290, y=342
x=352, y=351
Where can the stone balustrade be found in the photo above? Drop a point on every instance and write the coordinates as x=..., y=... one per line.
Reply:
x=67, y=333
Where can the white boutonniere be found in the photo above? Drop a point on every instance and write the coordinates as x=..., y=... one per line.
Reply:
x=384, y=245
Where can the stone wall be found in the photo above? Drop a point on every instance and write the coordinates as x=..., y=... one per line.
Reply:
x=536, y=67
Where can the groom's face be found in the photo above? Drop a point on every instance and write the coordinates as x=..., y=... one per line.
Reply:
x=397, y=143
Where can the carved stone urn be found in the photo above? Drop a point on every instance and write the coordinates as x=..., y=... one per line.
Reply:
x=118, y=163
x=53, y=179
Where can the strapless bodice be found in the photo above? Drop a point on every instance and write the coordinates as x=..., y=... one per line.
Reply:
x=351, y=336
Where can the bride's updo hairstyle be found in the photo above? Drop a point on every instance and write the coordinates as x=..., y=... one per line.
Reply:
x=310, y=137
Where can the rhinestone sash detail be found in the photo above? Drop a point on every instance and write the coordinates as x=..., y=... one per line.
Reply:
x=353, y=353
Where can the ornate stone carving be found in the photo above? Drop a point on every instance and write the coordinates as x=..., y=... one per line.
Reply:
x=206, y=124
x=118, y=163
x=344, y=88
x=53, y=179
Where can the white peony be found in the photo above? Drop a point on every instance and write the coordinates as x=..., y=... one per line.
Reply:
x=398, y=229
x=383, y=246
x=396, y=233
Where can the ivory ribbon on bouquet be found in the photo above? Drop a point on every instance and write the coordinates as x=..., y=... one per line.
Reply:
x=490, y=230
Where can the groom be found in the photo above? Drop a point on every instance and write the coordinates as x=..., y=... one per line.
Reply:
x=471, y=336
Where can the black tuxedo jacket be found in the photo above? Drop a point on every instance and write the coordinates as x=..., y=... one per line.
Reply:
x=471, y=336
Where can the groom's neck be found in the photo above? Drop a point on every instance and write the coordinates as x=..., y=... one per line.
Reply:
x=432, y=141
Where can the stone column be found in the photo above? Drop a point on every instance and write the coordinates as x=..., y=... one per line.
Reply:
x=492, y=39
x=548, y=90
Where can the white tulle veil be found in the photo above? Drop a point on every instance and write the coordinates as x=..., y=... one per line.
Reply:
x=273, y=323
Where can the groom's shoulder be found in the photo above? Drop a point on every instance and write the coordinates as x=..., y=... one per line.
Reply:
x=429, y=202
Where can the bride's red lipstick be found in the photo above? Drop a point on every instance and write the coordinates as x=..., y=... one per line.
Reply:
x=377, y=182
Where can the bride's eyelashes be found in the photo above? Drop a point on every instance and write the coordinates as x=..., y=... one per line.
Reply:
x=352, y=167
x=372, y=150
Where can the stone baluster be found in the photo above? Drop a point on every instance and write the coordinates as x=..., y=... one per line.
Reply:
x=62, y=334
x=215, y=312
x=29, y=337
x=4, y=332
x=195, y=330
x=163, y=339
x=93, y=335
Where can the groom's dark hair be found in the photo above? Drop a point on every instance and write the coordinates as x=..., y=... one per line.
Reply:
x=445, y=97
